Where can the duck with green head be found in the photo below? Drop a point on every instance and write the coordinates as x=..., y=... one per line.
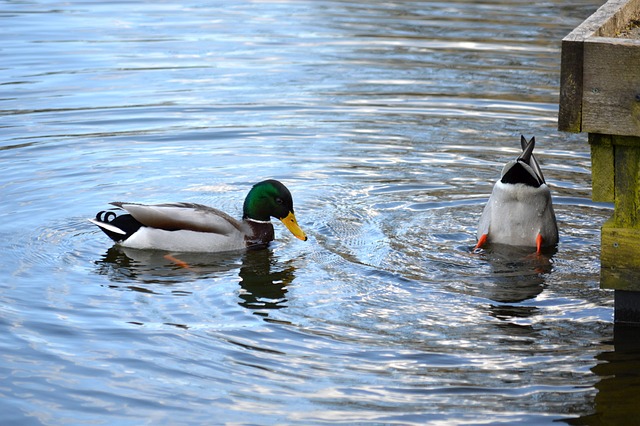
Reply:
x=189, y=227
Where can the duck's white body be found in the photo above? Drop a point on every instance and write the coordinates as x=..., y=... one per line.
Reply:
x=520, y=211
x=516, y=214
x=183, y=241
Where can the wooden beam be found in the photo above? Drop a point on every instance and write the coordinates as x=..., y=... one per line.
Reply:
x=611, y=86
x=627, y=185
x=607, y=21
x=619, y=247
x=616, y=15
x=627, y=307
x=602, y=168
x=571, y=70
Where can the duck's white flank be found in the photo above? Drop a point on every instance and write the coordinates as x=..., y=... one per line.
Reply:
x=184, y=240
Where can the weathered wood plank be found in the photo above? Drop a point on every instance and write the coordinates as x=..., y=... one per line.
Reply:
x=627, y=187
x=620, y=13
x=602, y=168
x=620, y=237
x=620, y=248
x=607, y=21
x=571, y=64
x=611, y=86
x=603, y=21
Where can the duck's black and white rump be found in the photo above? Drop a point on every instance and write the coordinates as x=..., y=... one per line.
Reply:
x=520, y=210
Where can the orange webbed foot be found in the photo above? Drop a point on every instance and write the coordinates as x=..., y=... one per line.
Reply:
x=481, y=241
x=539, y=242
x=177, y=261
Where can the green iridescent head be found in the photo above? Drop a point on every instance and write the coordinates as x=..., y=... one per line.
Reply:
x=271, y=198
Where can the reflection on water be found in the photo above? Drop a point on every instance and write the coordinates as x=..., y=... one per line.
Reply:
x=123, y=264
x=263, y=283
x=617, y=400
x=517, y=273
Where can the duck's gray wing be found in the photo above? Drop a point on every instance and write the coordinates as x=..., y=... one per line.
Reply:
x=187, y=216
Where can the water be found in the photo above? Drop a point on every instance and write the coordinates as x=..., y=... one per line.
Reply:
x=389, y=122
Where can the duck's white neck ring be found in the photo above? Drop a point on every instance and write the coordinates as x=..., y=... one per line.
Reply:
x=257, y=221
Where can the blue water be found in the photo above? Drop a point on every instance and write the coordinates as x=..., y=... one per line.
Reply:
x=389, y=122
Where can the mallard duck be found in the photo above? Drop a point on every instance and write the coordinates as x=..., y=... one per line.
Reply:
x=519, y=211
x=188, y=227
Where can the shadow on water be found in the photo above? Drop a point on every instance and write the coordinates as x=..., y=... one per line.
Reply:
x=263, y=281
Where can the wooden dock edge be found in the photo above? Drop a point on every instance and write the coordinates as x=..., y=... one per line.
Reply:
x=594, y=38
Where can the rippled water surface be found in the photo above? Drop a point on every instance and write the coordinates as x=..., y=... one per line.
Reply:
x=389, y=122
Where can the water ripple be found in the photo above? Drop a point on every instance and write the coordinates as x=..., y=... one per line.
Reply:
x=388, y=121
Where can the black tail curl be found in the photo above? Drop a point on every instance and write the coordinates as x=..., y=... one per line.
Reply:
x=105, y=216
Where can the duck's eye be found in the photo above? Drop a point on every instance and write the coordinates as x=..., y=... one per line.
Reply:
x=279, y=201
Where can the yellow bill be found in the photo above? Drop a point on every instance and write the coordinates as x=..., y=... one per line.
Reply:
x=292, y=225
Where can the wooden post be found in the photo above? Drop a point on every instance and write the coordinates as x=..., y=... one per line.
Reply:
x=616, y=177
x=600, y=95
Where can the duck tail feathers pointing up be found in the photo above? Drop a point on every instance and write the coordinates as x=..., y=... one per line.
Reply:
x=528, y=157
x=527, y=150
